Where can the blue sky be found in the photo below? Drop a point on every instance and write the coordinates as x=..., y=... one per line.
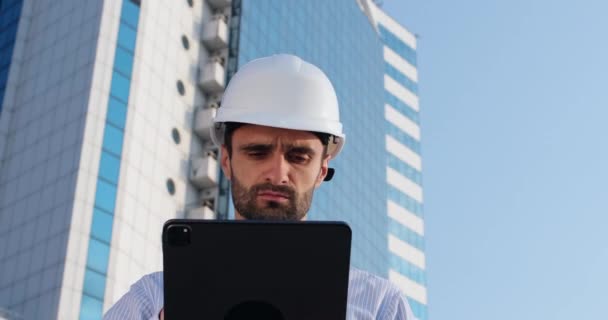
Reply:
x=514, y=99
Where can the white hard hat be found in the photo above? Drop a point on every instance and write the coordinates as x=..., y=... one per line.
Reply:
x=281, y=91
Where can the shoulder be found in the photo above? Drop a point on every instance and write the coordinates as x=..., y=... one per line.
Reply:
x=372, y=296
x=154, y=280
x=144, y=300
x=364, y=281
x=150, y=286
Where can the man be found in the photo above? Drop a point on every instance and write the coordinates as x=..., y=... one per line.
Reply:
x=278, y=127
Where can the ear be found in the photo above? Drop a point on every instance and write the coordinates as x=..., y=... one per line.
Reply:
x=322, y=171
x=225, y=162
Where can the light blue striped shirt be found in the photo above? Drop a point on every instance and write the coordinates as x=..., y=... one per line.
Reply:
x=369, y=297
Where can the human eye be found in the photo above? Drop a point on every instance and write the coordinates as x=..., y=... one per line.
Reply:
x=256, y=151
x=298, y=157
x=257, y=154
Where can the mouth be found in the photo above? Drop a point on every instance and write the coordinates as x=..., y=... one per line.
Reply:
x=273, y=196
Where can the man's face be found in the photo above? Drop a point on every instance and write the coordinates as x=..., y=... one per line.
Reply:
x=273, y=172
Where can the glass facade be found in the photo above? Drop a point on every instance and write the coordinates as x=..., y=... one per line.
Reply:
x=402, y=107
x=401, y=78
x=400, y=47
x=338, y=38
x=10, y=12
x=397, y=229
x=98, y=252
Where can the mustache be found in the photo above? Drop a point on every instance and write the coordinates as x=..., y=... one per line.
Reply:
x=290, y=192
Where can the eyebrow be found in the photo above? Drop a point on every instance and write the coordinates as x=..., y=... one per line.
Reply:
x=257, y=147
x=300, y=149
x=266, y=147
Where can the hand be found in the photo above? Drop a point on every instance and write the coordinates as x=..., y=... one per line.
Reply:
x=162, y=314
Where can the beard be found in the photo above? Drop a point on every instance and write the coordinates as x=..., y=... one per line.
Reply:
x=246, y=204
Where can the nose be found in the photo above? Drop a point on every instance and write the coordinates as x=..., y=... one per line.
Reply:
x=277, y=172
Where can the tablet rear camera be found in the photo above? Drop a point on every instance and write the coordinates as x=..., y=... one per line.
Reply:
x=179, y=235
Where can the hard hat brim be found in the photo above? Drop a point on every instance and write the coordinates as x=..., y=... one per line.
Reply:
x=284, y=122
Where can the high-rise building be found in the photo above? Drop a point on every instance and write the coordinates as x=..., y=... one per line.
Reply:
x=104, y=135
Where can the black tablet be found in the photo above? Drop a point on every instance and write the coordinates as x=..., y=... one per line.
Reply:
x=255, y=270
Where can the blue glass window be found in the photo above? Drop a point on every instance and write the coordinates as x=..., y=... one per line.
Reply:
x=404, y=168
x=401, y=78
x=10, y=11
x=407, y=235
x=407, y=269
x=8, y=35
x=90, y=308
x=99, y=253
x=105, y=196
x=101, y=228
x=3, y=76
x=126, y=37
x=120, y=86
x=94, y=284
x=117, y=113
x=109, y=167
x=419, y=309
x=130, y=13
x=6, y=54
x=123, y=61
x=402, y=107
x=112, y=139
x=397, y=45
x=405, y=201
x=403, y=137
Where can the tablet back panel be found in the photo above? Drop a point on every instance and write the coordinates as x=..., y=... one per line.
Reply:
x=223, y=270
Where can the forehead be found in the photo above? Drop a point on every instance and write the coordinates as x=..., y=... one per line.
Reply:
x=261, y=134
